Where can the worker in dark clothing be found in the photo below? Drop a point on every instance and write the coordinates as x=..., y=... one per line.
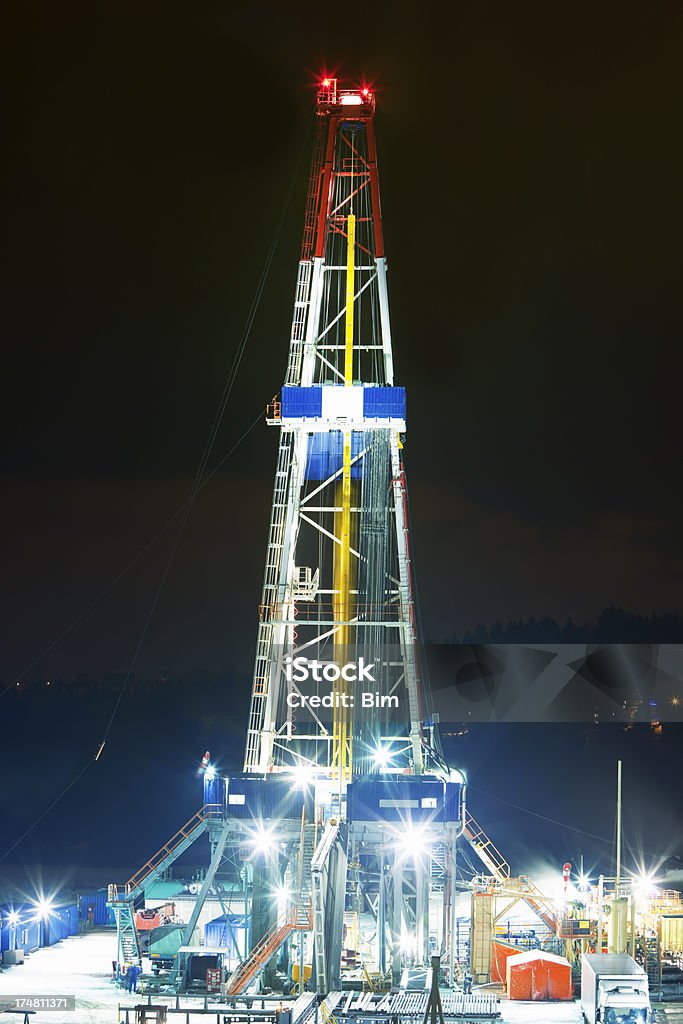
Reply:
x=467, y=984
x=132, y=975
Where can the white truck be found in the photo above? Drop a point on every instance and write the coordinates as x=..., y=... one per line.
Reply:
x=614, y=990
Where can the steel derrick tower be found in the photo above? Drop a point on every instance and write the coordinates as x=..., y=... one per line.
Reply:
x=337, y=582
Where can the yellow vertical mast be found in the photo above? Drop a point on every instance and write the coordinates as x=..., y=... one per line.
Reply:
x=342, y=738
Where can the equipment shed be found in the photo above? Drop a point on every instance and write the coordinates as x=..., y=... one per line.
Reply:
x=537, y=975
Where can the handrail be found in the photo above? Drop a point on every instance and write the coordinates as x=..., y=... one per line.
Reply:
x=538, y=902
x=493, y=858
x=118, y=893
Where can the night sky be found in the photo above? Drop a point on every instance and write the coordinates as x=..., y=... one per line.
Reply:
x=531, y=161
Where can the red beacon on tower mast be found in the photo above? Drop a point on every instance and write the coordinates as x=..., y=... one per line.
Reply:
x=329, y=95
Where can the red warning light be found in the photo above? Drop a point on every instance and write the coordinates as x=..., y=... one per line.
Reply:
x=365, y=92
x=326, y=83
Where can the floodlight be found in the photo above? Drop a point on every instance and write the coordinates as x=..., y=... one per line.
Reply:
x=644, y=884
x=382, y=758
x=412, y=841
x=303, y=774
x=262, y=839
x=44, y=906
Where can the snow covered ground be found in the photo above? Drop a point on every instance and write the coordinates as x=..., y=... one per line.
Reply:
x=81, y=966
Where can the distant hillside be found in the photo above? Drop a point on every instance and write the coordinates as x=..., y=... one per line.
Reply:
x=613, y=626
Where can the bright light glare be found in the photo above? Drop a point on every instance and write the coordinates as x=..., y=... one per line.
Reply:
x=262, y=839
x=13, y=917
x=408, y=941
x=584, y=882
x=210, y=773
x=351, y=100
x=413, y=841
x=44, y=907
x=326, y=83
x=382, y=758
x=303, y=774
x=645, y=884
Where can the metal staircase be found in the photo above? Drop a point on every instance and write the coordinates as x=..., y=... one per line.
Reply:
x=298, y=917
x=485, y=850
x=249, y=970
x=653, y=964
x=121, y=898
x=309, y=841
x=163, y=858
x=128, y=945
x=540, y=904
x=500, y=869
x=319, y=880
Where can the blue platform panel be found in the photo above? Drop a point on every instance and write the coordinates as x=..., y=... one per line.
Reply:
x=403, y=800
x=384, y=403
x=259, y=799
x=326, y=451
x=302, y=402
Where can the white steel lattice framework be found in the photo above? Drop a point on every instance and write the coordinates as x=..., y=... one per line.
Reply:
x=338, y=567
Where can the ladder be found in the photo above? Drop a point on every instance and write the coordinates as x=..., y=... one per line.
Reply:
x=312, y=196
x=270, y=585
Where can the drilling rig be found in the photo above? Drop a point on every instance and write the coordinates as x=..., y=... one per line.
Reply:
x=346, y=816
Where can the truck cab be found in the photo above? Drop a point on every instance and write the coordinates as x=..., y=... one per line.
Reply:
x=623, y=1007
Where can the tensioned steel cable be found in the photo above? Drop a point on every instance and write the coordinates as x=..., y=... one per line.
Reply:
x=134, y=560
x=91, y=760
x=203, y=480
x=185, y=511
x=208, y=448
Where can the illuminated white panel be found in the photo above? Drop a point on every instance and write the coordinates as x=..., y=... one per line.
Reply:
x=352, y=100
x=342, y=403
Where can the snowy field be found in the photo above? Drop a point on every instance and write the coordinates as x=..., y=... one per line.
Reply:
x=81, y=966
